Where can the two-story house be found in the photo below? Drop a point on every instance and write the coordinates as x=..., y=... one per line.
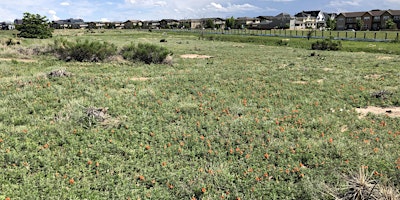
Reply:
x=370, y=20
x=350, y=20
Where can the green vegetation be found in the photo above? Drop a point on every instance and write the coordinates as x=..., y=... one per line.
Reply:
x=327, y=44
x=255, y=121
x=147, y=53
x=86, y=51
x=34, y=26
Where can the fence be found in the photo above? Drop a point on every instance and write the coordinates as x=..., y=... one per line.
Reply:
x=373, y=36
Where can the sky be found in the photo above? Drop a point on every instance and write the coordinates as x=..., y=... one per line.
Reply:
x=122, y=10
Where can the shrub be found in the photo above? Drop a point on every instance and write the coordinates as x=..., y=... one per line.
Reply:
x=93, y=51
x=327, y=44
x=147, y=53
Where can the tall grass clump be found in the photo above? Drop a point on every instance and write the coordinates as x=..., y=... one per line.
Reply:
x=327, y=44
x=83, y=51
x=147, y=53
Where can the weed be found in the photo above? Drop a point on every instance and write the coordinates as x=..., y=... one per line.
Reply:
x=327, y=44
x=86, y=51
x=147, y=53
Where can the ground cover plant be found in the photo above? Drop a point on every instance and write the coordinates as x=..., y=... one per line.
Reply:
x=238, y=121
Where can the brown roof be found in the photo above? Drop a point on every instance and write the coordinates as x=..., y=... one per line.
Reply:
x=394, y=12
x=353, y=14
x=376, y=12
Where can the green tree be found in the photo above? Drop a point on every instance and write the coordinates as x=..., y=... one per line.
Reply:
x=390, y=24
x=331, y=24
x=360, y=24
x=210, y=23
x=34, y=26
x=230, y=22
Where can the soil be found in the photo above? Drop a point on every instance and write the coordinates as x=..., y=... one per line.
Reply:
x=195, y=56
x=390, y=111
x=17, y=59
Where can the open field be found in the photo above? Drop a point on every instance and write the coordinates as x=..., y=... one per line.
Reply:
x=250, y=121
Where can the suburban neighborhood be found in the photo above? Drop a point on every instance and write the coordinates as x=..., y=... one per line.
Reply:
x=373, y=20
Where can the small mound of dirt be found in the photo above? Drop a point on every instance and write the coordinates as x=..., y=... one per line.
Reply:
x=195, y=56
x=390, y=111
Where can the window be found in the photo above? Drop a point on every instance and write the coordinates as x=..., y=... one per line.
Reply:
x=377, y=18
x=366, y=18
x=386, y=18
x=358, y=18
x=397, y=17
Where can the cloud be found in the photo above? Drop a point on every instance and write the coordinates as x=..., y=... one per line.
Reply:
x=53, y=14
x=280, y=0
x=231, y=7
x=341, y=3
x=64, y=3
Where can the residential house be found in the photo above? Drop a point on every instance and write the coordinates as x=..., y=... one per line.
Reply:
x=279, y=21
x=68, y=23
x=391, y=14
x=152, y=24
x=309, y=20
x=370, y=20
x=169, y=23
x=247, y=22
x=18, y=22
x=191, y=24
x=131, y=24
x=6, y=26
x=351, y=20
x=217, y=22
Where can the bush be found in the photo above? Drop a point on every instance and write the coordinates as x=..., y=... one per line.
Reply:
x=327, y=44
x=84, y=51
x=147, y=53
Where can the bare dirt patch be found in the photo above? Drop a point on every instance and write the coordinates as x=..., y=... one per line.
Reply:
x=390, y=111
x=18, y=60
x=195, y=56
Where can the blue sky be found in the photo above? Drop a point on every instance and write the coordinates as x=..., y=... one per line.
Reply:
x=121, y=10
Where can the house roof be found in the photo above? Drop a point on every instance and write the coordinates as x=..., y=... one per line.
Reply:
x=376, y=12
x=312, y=13
x=352, y=14
x=394, y=12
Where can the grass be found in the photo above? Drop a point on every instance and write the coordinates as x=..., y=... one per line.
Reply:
x=254, y=121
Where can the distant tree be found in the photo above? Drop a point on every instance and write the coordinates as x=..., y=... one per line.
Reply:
x=390, y=24
x=230, y=22
x=360, y=24
x=331, y=24
x=210, y=23
x=34, y=26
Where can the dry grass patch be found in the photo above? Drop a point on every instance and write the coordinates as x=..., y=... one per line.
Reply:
x=384, y=58
x=18, y=60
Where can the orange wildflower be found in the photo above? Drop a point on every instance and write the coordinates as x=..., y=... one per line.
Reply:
x=7, y=198
x=147, y=147
x=89, y=162
x=330, y=140
x=71, y=181
x=203, y=190
x=141, y=178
